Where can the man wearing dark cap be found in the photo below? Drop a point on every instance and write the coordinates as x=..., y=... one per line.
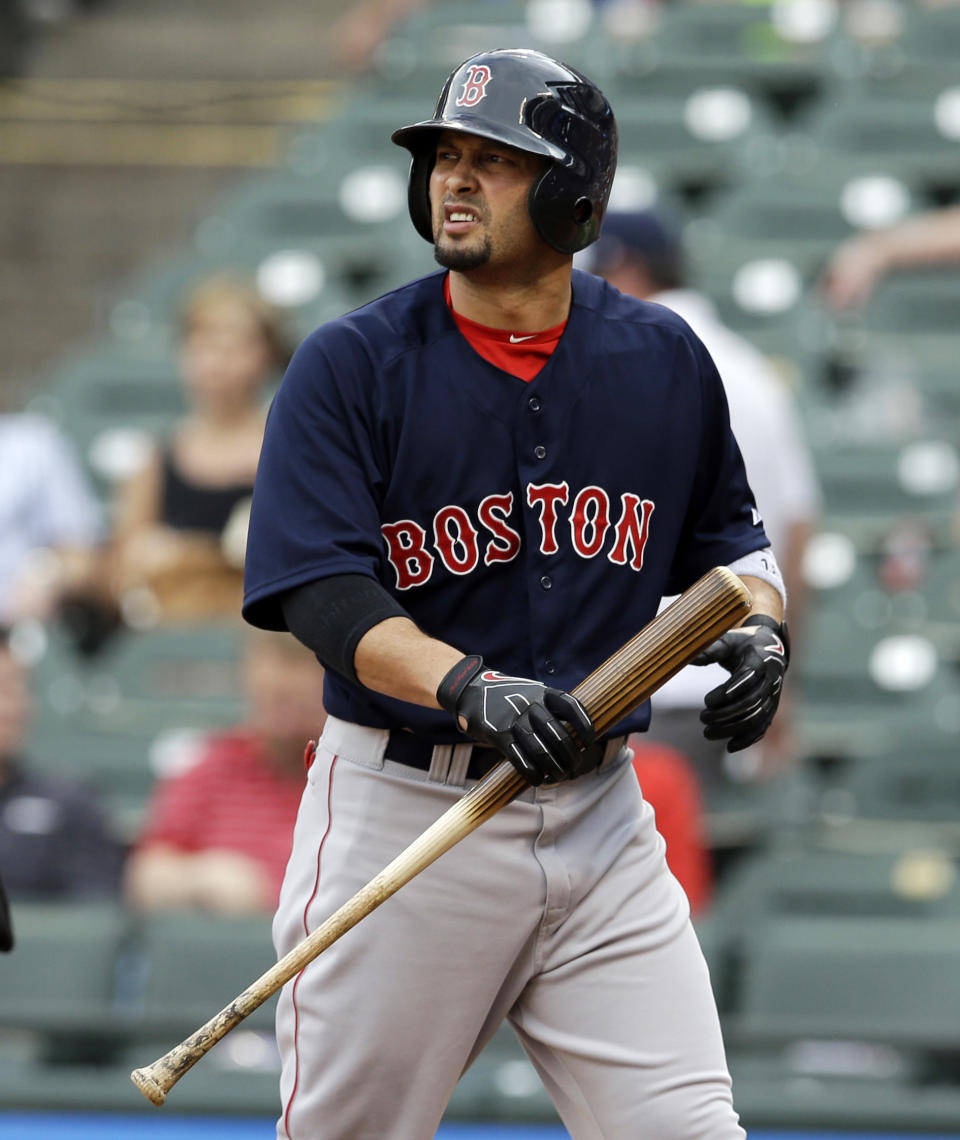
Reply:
x=641, y=253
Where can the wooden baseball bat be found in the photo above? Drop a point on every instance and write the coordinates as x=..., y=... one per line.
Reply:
x=702, y=613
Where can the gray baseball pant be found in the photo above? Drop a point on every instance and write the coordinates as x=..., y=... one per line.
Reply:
x=559, y=914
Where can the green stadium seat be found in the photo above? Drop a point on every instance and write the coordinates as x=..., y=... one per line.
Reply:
x=911, y=314
x=284, y=206
x=743, y=814
x=144, y=676
x=743, y=43
x=209, y=1089
x=912, y=789
x=102, y=721
x=927, y=35
x=190, y=965
x=803, y=882
x=358, y=135
x=802, y=220
x=59, y=985
x=116, y=765
x=422, y=49
x=113, y=388
x=905, y=139
x=869, y=979
x=697, y=145
x=888, y=481
x=842, y=711
x=867, y=1090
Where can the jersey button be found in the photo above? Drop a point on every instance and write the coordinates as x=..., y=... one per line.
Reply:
x=546, y=581
x=540, y=451
x=534, y=404
x=549, y=666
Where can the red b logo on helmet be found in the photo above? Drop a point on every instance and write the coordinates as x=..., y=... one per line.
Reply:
x=474, y=86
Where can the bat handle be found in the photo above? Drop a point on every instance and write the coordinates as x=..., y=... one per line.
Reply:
x=157, y=1079
x=147, y=1083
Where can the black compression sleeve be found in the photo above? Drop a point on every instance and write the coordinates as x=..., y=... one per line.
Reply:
x=330, y=615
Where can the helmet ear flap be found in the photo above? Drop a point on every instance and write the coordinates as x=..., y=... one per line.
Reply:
x=418, y=193
x=566, y=223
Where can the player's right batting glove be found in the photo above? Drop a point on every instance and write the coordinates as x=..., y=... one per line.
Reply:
x=545, y=733
x=757, y=655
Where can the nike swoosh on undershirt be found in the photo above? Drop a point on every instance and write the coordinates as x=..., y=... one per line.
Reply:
x=518, y=339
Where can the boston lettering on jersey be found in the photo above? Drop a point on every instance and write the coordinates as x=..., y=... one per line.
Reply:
x=513, y=519
x=461, y=543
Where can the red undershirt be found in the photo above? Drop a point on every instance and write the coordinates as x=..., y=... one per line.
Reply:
x=523, y=357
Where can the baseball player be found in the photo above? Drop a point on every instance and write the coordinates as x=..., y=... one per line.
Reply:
x=471, y=492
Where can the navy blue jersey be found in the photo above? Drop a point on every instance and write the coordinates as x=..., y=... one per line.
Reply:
x=538, y=524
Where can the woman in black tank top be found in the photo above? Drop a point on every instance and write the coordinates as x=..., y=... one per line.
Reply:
x=181, y=521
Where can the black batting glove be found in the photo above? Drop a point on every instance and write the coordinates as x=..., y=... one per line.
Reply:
x=757, y=655
x=527, y=721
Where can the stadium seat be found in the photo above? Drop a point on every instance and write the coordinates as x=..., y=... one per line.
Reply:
x=906, y=139
x=910, y=790
x=190, y=965
x=115, y=765
x=871, y=979
x=802, y=220
x=830, y=1086
x=913, y=314
x=843, y=711
x=799, y=882
x=194, y=668
x=421, y=50
x=752, y=44
x=285, y=207
x=59, y=985
x=694, y=146
x=923, y=36
x=358, y=135
x=113, y=388
x=885, y=481
x=103, y=721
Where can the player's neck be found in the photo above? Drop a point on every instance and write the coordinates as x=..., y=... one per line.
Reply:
x=528, y=305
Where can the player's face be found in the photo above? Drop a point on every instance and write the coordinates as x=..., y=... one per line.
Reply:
x=478, y=198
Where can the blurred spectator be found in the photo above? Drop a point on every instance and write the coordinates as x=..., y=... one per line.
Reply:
x=180, y=527
x=51, y=525
x=641, y=253
x=357, y=34
x=54, y=836
x=860, y=263
x=669, y=783
x=218, y=834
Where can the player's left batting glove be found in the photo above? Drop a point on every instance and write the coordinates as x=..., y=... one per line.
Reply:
x=757, y=655
x=527, y=721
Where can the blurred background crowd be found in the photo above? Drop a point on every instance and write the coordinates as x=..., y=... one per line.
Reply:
x=186, y=190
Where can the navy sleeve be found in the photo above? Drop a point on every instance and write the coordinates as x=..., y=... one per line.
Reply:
x=315, y=509
x=722, y=522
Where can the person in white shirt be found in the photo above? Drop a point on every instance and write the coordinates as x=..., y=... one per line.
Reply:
x=641, y=253
x=51, y=523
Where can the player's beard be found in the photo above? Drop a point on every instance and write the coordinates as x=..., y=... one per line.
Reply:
x=462, y=259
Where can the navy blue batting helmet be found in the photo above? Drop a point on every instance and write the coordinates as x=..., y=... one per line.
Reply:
x=527, y=100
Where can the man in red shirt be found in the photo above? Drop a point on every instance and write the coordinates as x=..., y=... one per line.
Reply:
x=218, y=835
